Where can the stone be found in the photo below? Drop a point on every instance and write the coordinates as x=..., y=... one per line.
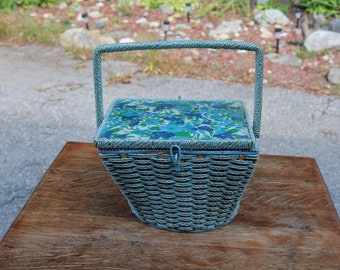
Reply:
x=188, y=59
x=226, y=29
x=287, y=59
x=321, y=40
x=271, y=16
x=334, y=25
x=333, y=75
x=99, y=4
x=62, y=5
x=181, y=34
x=165, y=9
x=82, y=38
x=271, y=56
x=79, y=17
x=95, y=14
x=181, y=26
x=77, y=9
x=261, y=2
x=116, y=69
x=102, y=39
x=154, y=24
x=265, y=33
x=119, y=34
x=142, y=21
x=325, y=57
x=319, y=21
x=208, y=26
x=48, y=16
x=126, y=40
x=100, y=25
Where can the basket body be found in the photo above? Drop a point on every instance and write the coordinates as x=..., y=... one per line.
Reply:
x=182, y=165
x=203, y=196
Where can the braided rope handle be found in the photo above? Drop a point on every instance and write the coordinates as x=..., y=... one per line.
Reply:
x=181, y=44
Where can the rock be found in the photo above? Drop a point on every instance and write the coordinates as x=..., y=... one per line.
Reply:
x=334, y=25
x=181, y=26
x=321, y=40
x=142, y=21
x=287, y=59
x=48, y=16
x=208, y=26
x=100, y=25
x=325, y=57
x=95, y=14
x=319, y=21
x=126, y=40
x=333, y=75
x=82, y=38
x=242, y=51
x=165, y=9
x=105, y=40
x=116, y=69
x=181, y=34
x=99, y=4
x=265, y=33
x=119, y=34
x=270, y=56
x=261, y=2
x=271, y=16
x=62, y=5
x=154, y=24
x=226, y=29
x=188, y=59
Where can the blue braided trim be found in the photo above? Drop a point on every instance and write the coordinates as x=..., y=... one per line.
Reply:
x=253, y=151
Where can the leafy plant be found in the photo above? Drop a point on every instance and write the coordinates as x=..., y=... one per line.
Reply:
x=328, y=8
x=11, y=4
x=274, y=4
x=7, y=4
x=125, y=7
x=218, y=8
x=178, y=5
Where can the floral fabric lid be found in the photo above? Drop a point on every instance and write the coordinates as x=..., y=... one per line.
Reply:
x=156, y=124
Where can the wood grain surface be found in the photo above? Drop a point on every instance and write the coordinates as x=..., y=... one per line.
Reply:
x=78, y=219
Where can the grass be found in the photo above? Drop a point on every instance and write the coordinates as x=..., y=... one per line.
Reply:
x=18, y=27
x=303, y=53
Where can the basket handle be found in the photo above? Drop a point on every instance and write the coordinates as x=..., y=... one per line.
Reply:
x=181, y=44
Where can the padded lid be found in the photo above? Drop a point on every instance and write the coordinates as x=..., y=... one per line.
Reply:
x=156, y=124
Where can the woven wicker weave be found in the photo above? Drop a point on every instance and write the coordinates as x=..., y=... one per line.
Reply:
x=174, y=188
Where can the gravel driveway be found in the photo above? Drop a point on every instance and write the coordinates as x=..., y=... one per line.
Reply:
x=47, y=99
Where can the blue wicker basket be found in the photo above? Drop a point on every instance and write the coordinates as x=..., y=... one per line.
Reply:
x=182, y=165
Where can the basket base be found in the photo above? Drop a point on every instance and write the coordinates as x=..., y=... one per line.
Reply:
x=185, y=228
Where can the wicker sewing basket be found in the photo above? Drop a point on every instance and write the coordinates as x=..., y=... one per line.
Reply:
x=182, y=165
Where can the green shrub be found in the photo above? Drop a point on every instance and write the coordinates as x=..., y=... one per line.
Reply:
x=274, y=4
x=328, y=8
x=11, y=4
x=178, y=5
x=218, y=8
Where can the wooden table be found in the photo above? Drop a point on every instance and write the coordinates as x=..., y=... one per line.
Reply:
x=77, y=218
